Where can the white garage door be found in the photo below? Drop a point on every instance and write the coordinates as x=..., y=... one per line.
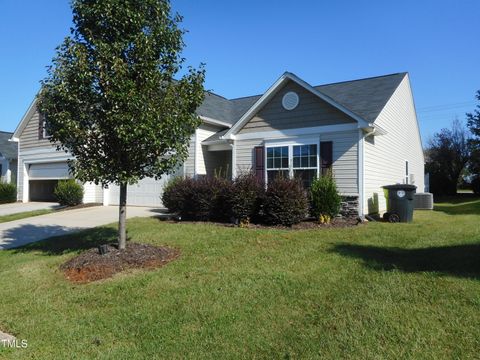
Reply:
x=147, y=192
x=47, y=171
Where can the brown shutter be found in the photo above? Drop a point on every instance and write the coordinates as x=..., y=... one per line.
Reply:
x=259, y=154
x=326, y=156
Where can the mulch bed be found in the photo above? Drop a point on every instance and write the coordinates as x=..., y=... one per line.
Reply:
x=91, y=266
x=304, y=225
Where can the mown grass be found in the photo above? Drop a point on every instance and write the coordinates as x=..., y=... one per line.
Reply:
x=25, y=214
x=381, y=291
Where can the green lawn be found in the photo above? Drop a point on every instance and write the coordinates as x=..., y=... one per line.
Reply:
x=381, y=291
x=25, y=214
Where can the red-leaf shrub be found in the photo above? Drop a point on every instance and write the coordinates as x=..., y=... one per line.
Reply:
x=285, y=202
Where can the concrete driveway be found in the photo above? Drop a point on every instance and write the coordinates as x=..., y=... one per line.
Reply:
x=18, y=207
x=24, y=231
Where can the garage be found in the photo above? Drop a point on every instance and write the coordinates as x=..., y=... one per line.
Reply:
x=147, y=192
x=43, y=179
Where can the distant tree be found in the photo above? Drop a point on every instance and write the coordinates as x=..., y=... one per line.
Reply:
x=446, y=157
x=111, y=99
x=473, y=123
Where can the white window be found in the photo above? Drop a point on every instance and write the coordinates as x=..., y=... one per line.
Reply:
x=292, y=160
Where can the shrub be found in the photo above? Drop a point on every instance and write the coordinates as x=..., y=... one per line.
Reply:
x=325, y=199
x=476, y=185
x=285, y=202
x=8, y=193
x=69, y=192
x=198, y=199
x=246, y=196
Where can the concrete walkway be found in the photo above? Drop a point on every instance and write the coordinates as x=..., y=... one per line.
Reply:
x=24, y=231
x=18, y=207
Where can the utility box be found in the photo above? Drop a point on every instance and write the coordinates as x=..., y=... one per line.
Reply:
x=400, y=203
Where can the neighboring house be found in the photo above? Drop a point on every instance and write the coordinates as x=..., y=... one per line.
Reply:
x=365, y=131
x=8, y=158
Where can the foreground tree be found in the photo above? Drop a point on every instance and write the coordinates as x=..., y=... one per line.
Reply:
x=446, y=157
x=473, y=123
x=110, y=97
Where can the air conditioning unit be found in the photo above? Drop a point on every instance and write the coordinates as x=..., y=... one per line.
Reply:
x=423, y=201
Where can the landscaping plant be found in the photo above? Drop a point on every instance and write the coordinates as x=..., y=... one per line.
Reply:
x=117, y=97
x=198, y=199
x=325, y=199
x=8, y=193
x=68, y=192
x=285, y=202
x=245, y=199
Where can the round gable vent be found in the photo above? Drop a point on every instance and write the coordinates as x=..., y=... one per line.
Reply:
x=290, y=100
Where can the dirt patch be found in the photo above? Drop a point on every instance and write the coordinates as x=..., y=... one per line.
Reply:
x=303, y=225
x=91, y=266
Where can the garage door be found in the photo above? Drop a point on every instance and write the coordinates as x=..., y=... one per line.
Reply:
x=47, y=171
x=147, y=192
x=43, y=179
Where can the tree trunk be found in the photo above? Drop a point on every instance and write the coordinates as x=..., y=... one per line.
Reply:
x=122, y=230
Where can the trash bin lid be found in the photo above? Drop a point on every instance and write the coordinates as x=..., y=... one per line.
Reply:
x=407, y=187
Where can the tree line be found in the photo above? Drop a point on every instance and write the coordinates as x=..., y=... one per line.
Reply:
x=453, y=156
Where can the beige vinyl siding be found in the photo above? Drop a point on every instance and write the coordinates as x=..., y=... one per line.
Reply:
x=244, y=150
x=311, y=111
x=198, y=154
x=345, y=160
x=29, y=138
x=92, y=193
x=385, y=156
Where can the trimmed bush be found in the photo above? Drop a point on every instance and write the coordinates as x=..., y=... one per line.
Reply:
x=68, y=192
x=285, y=202
x=476, y=185
x=198, y=199
x=246, y=196
x=8, y=193
x=325, y=199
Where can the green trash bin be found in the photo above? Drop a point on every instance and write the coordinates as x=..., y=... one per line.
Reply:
x=400, y=203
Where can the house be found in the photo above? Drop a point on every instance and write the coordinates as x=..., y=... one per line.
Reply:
x=8, y=158
x=365, y=131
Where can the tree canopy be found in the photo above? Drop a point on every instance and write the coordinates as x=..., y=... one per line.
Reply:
x=114, y=97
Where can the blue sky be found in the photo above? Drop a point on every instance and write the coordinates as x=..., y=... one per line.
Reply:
x=247, y=45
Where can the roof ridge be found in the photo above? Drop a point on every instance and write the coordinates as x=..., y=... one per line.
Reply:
x=361, y=79
x=244, y=97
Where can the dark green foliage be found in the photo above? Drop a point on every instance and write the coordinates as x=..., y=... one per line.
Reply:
x=475, y=184
x=111, y=97
x=325, y=199
x=473, y=123
x=8, y=193
x=246, y=197
x=285, y=202
x=117, y=97
x=446, y=158
x=69, y=192
x=198, y=199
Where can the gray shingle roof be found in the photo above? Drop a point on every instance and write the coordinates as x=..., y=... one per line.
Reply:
x=8, y=149
x=364, y=97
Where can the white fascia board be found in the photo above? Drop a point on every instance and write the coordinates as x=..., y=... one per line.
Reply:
x=21, y=125
x=274, y=88
x=296, y=132
x=215, y=122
